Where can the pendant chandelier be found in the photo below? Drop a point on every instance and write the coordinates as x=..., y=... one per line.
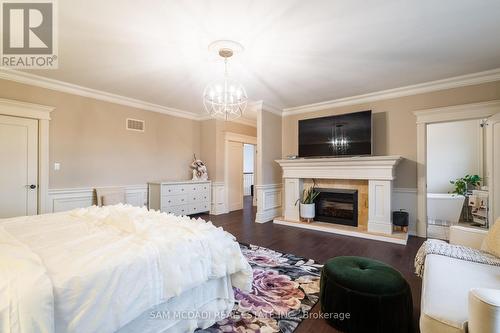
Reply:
x=225, y=98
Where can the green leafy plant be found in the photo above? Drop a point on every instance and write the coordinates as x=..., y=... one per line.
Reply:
x=463, y=184
x=308, y=196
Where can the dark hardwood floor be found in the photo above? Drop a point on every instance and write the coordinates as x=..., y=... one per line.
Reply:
x=320, y=246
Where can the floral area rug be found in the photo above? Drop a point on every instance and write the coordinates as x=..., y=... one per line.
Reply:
x=285, y=287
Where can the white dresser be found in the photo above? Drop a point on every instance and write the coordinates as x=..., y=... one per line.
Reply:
x=180, y=197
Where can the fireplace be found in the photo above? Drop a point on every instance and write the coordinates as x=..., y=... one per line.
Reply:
x=337, y=206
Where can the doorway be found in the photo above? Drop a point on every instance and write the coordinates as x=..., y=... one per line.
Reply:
x=239, y=171
x=248, y=172
x=19, y=167
x=484, y=110
x=455, y=176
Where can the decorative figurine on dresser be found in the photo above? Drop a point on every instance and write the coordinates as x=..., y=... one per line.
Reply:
x=185, y=197
x=199, y=169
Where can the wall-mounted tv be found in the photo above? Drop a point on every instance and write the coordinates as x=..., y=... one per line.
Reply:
x=342, y=135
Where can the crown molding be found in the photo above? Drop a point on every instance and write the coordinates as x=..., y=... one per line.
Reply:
x=453, y=82
x=43, y=82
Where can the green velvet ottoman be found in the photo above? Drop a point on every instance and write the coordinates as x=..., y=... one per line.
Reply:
x=363, y=295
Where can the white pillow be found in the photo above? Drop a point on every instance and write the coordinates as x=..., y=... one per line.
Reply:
x=491, y=243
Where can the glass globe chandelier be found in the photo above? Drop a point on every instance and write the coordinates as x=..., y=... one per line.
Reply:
x=225, y=98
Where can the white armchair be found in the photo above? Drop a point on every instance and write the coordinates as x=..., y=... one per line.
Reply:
x=484, y=303
x=484, y=310
x=460, y=296
x=467, y=236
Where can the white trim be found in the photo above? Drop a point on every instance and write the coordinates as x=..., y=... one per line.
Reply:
x=458, y=112
x=327, y=227
x=242, y=120
x=43, y=82
x=405, y=190
x=218, y=204
x=245, y=121
x=449, y=83
x=10, y=107
x=69, y=198
x=269, y=197
x=42, y=114
x=436, y=115
x=367, y=167
x=230, y=136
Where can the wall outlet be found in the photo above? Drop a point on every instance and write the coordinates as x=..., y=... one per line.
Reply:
x=57, y=166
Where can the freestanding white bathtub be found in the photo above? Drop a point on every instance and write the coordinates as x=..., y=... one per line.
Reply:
x=444, y=208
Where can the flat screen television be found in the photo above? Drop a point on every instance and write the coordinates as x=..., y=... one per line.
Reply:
x=342, y=135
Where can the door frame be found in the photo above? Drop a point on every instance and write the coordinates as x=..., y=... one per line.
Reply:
x=230, y=136
x=14, y=108
x=438, y=115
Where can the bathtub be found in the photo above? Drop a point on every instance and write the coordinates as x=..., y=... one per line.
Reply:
x=444, y=208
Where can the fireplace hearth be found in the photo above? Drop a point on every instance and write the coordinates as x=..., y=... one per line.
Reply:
x=338, y=206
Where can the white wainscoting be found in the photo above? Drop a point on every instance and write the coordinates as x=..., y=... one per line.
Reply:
x=70, y=198
x=406, y=199
x=268, y=202
x=247, y=183
x=218, y=199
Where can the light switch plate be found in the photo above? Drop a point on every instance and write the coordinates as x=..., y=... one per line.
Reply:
x=57, y=166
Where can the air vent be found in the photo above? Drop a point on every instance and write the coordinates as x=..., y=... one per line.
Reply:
x=135, y=125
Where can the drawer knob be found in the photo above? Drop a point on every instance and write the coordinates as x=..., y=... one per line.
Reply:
x=169, y=201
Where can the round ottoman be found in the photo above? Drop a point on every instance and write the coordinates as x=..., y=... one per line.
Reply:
x=364, y=295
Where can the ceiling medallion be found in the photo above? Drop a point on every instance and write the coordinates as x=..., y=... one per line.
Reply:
x=225, y=98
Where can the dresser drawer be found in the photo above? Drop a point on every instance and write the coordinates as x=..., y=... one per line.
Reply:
x=174, y=200
x=177, y=210
x=173, y=189
x=194, y=198
x=199, y=208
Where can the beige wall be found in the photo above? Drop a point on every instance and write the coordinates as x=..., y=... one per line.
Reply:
x=89, y=139
x=395, y=131
x=212, y=143
x=269, y=148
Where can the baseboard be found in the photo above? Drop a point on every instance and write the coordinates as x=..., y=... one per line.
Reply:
x=268, y=215
x=64, y=199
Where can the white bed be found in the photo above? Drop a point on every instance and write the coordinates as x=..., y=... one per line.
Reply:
x=116, y=268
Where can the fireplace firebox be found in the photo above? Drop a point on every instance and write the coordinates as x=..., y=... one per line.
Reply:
x=337, y=206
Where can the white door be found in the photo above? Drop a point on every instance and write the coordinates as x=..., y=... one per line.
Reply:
x=493, y=166
x=18, y=166
x=235, y=175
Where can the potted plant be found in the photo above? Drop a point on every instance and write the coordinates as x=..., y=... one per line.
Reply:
x=307, y=206
x=465, y=184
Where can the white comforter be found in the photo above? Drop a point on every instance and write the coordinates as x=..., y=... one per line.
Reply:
x=95, y=269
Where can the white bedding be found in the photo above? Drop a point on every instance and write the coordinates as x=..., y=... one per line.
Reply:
x=96, y=269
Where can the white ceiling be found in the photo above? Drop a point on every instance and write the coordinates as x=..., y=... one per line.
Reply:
x=297, y=52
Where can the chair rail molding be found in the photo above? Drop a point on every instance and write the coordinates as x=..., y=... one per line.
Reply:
x=270, y=197
x=436, y=115
x=70, y=198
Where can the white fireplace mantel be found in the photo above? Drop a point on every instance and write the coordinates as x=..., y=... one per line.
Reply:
x=378, y=170
x=366, y=167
